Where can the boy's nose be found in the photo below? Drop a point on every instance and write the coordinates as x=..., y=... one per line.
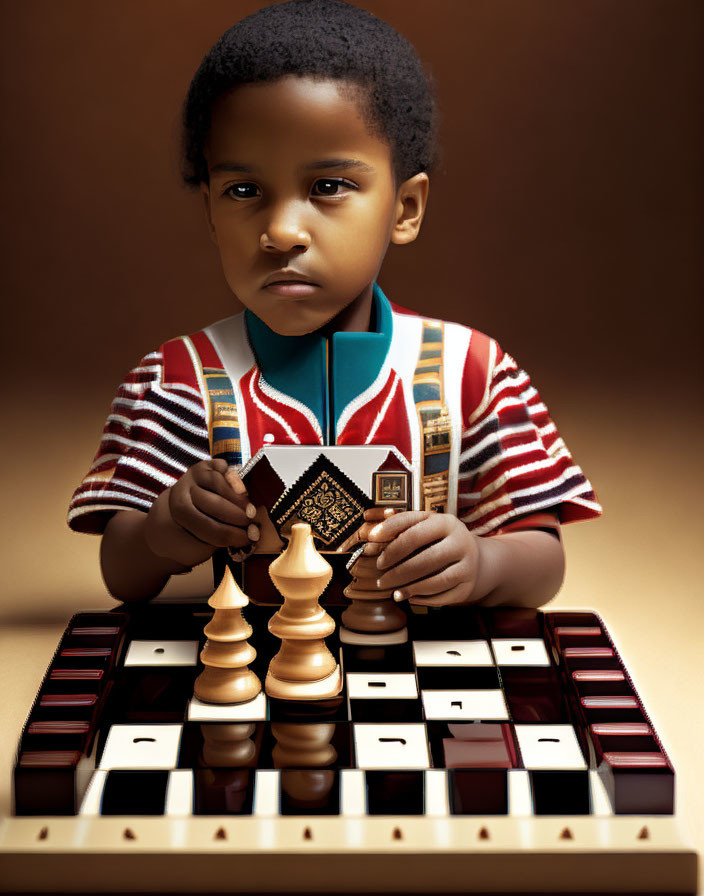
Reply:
x=285, y=232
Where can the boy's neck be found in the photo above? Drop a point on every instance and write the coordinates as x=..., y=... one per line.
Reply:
x=354, y=318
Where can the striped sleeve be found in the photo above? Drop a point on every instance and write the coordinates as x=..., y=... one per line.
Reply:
x=156, y=429
x=513, y=461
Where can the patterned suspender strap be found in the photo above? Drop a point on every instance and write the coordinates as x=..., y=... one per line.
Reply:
x=194, y=362
x=434, y=419
x=224, y=427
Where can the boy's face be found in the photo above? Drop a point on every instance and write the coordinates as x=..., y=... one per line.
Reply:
x=302, y=202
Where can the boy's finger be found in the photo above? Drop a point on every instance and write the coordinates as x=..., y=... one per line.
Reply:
x=456, y=596
x=211, y=531
x=377, y=514
x=362, y=534
x=442, y=581
x=394, y=525
x=429, y=528
x=219, y=508
x=372, y=516
x=426, y=563
x=212, y=477
x=232, y=477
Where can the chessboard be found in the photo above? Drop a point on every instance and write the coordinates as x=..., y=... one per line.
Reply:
x=501, y=750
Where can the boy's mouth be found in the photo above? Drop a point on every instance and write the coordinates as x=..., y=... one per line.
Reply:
x=291, y=283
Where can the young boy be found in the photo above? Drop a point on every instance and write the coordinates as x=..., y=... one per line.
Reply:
x=309, y=130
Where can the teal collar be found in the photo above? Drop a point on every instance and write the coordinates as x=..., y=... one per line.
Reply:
x=325, y=375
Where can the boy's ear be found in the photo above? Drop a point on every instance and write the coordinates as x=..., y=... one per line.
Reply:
x=411, y=200
x=205, y=193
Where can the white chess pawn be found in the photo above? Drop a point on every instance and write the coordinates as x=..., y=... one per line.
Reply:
x=226, y=656
x=304, y=668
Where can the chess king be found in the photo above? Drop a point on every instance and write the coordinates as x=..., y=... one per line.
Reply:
x=309, y=130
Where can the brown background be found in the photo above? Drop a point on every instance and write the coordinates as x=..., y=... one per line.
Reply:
x=566, y=219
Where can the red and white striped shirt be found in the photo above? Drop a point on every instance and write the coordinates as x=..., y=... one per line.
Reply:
x=507, y=458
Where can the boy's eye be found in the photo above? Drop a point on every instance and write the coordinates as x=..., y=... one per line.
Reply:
x=243, y=191
x=331, y=186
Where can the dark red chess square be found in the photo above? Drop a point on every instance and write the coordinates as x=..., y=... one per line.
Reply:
x=478, y=791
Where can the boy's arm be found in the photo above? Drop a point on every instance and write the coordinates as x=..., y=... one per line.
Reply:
x=523, y=568
x=205, y=509
x=434, y=560
x=131, y=570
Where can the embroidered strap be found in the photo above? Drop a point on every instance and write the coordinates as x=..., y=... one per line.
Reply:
x=434, y=419
x=224, y=427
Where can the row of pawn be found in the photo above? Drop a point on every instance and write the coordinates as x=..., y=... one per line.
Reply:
x=304, y=668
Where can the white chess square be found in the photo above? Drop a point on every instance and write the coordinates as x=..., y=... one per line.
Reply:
x=391, y=746
x=520, y=652
x=520, y=797
x=251, y=711
x=266, y=792
x=353, y=794
x=477, y=705
x=452, y=653
x=436, y=797
x=162, y=653
x=94, y=794
x=142, y=746
x=179, y=793
x=549, y=746
x=372, y=686
x=600, y=802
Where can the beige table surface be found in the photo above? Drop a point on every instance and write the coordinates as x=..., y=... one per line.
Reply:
x=640, y=567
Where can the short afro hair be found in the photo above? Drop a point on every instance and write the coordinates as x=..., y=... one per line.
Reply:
x=327, y=39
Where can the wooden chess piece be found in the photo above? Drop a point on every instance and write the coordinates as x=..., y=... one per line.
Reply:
x=303, y=745
x=226, y=656
x=228, y=746
x=372, y=610
x=307, y=789
x=304, y=668
x=223, y=791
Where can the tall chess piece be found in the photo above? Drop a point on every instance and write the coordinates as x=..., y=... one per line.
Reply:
x=227, y=654
x=304, y=668
x=303, y=745
x=372, y=611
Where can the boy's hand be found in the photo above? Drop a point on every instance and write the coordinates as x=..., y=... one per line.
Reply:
x=371, y=517
x=206, y=509
x=445, y=563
